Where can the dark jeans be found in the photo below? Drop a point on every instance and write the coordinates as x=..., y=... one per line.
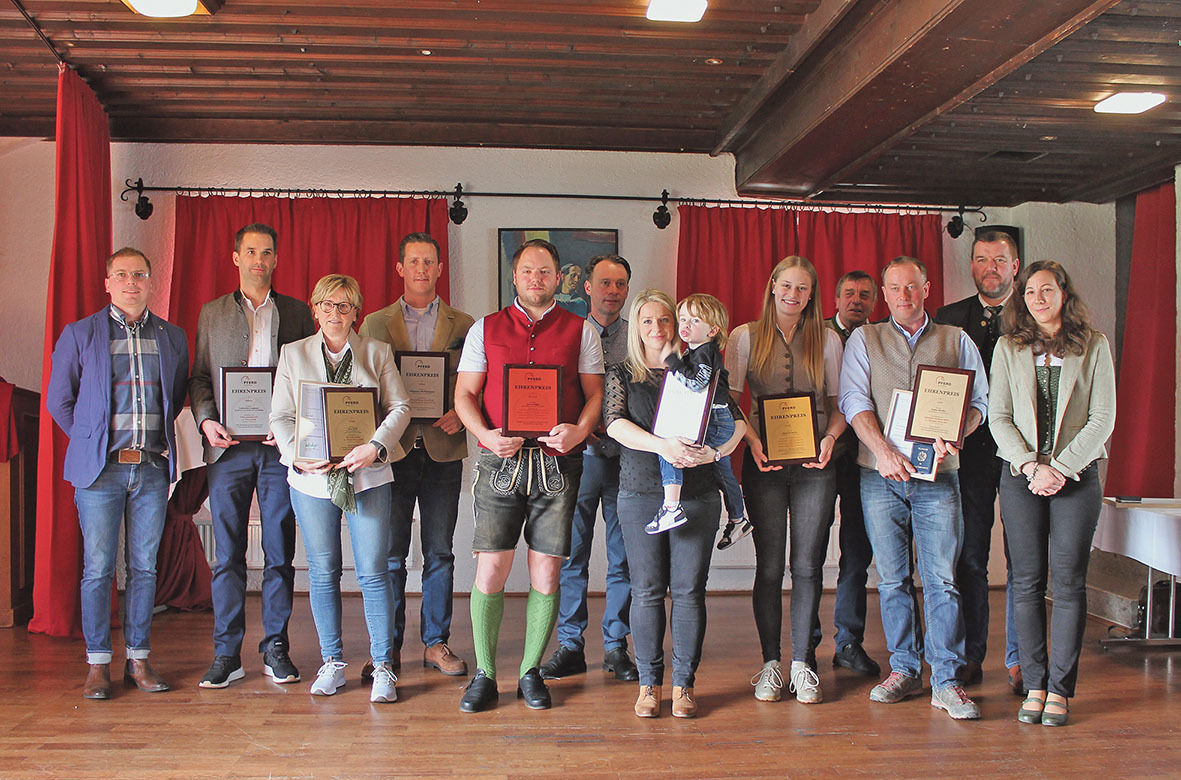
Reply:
x=810, y=496
x=1051, y=535
x=600, y=481
x=856, y=554
x=435, y=487
x=242, y=470
x=980, y=472
x=674, y=562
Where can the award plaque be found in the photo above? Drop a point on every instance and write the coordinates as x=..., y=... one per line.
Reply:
x=787, y=424
x=920, y=455
x=940, y=404
x=311, y=446
x=681, y=412
x=425, y=375
x=246, y=401
x=350, y=418
x=532, y=399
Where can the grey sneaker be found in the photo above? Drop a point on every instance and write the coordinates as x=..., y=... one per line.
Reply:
x=895, y=688
x=805, y=684
x=384, y=681
x=768, y=682
x=956, y=702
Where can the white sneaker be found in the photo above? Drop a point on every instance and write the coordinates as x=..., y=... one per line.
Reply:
x=329, y=679
x=768, y=682
x=805, y=684
x=383, y=684
x=666, y=519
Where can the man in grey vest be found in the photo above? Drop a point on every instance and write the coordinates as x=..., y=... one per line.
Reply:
x=247, y=328
x=898, y=507
x=607, y=282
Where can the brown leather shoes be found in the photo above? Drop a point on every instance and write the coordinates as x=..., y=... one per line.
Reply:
x=440, y=657
x=684, y=706
x=98, y=682
x=141, y=673
x=648, y=703
x=1016, y=680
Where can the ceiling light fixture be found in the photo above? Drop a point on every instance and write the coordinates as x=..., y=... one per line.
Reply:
x=425, y=52
x=1129, y=103
x=676, y=10
x=173, y=9
x=713, y=61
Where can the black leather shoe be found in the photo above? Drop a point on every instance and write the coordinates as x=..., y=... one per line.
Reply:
x=564, y=663
x=480, y=694
x=854, y=658
x=532, y=689
x=619, y=662
x=971, y=673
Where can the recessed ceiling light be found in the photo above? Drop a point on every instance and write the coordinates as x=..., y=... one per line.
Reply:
x=713, y=61
x=171, y=9
x=676, y=10
x=426, y=52
x=1129, y=102
x=1048, y=138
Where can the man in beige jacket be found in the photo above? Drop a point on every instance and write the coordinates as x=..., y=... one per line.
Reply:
x=431, y=472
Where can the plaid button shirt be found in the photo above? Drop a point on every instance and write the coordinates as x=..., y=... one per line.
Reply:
x=137, y=401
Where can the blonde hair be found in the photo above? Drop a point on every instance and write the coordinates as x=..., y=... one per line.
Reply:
x=811, y=326
x=637, y=366
x=333, y=282
x=709, y=310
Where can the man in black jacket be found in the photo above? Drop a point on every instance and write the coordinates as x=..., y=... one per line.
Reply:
x=994, y=265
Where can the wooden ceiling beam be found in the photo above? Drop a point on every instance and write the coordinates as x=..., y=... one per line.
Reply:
x=887, y=75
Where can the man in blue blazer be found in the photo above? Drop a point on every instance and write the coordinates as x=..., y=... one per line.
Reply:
x=117, y=383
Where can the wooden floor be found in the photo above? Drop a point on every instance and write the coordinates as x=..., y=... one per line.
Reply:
x=1124, y=723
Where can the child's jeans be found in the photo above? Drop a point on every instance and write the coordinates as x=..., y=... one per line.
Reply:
x=718, y=431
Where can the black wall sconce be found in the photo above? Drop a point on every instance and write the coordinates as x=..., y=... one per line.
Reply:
x=661, y=217
x=955, y=225
x=458, y=211
x=143, y=206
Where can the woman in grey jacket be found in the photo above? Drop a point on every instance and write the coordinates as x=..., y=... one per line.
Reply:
x=1051, y=408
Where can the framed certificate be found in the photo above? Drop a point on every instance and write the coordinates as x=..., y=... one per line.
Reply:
x=940, y=404
x=425, y=376
x=532, y=399
x=681, y=412
x=350, y=418
x=920, y=455
x=311, y=443
x=787, y=423
x=246, y=401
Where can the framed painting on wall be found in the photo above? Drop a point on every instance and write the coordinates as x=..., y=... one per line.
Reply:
x=576, y=247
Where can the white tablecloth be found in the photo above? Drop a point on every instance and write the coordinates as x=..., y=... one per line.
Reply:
x=1148, y=531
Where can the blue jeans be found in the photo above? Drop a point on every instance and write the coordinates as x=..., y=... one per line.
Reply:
x=856, y=553
x=239, y=472
x=600, y=481
x=717, y=432
x=809, y=495
x=137, y=495
x=930, y=514
x=675, y=563
x=980, y=473
x=369, y=529
x=435, y=486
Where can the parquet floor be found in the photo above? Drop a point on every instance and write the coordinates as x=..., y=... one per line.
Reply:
x=1125, y=721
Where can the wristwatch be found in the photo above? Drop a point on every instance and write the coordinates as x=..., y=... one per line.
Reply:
x=717, y=455
x=381, y=451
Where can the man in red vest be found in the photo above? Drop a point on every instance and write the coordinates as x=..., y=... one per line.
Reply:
x=525, y=483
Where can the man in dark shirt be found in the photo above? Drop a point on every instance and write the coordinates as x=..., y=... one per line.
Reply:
x=856, y=296
x=994, y=265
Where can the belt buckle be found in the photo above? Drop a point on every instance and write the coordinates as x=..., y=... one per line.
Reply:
x=418, y=444
x=130, y=457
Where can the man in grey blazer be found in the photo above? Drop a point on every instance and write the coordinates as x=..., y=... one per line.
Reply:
x=432, y=469
x=247, y=328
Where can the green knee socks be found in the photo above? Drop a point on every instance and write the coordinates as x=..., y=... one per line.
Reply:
x=541, y=613
x=487, y=612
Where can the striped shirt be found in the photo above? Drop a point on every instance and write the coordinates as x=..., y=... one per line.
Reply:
x=137, y=399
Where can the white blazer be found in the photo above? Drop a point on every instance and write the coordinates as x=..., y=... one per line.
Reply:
x=373, y=366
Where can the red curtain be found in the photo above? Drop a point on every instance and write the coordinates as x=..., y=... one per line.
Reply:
x=1142, y=446
x=728, y=252
x=81, y=244
x=355, y=236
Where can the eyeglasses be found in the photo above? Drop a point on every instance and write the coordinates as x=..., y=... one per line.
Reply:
x=344, y=307
x=123, y=276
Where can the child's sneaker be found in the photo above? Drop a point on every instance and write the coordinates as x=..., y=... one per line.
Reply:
x=734, y=531
x=667, y=518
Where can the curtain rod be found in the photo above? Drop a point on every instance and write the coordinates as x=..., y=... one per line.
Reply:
x=40, y=33
x=660, y=217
